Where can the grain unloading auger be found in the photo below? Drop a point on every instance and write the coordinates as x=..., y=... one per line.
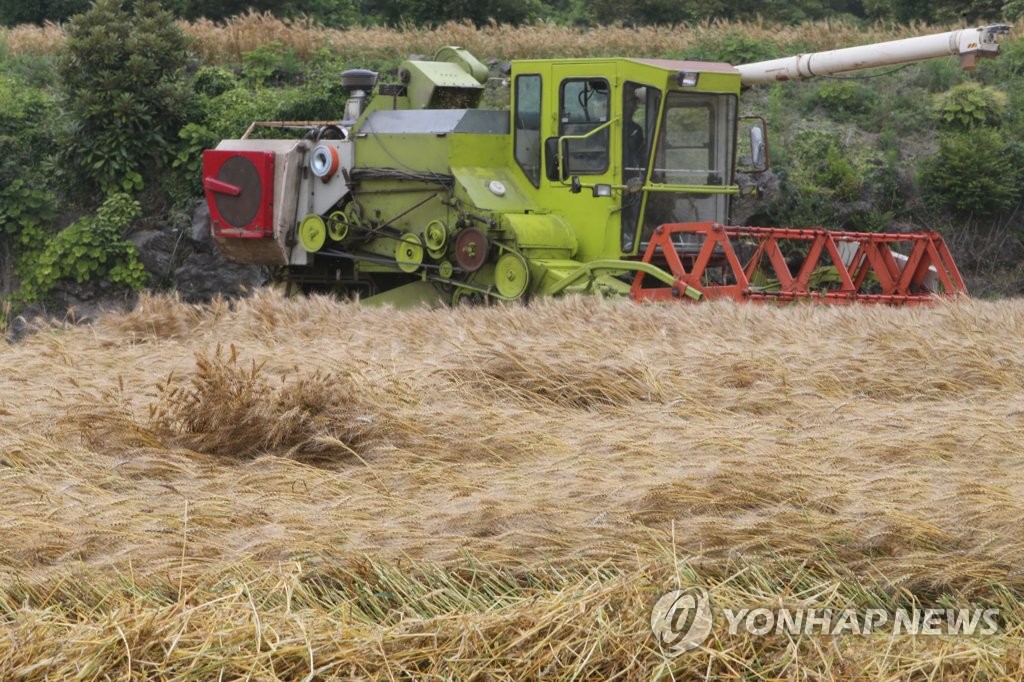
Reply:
x=610, y=176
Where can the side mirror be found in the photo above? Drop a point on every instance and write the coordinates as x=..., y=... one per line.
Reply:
x=753, y=143
x=757, y=146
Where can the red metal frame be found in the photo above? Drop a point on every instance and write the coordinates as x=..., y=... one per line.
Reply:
x=873, y=274
x=262, y=224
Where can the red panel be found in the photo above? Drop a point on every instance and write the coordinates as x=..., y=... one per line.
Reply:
x=239, y=188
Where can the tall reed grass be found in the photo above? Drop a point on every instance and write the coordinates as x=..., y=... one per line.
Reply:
x=227, y=41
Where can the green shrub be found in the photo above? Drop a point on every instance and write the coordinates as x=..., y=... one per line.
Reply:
x=91, y=248
x=26, y=213
x=35, y=71
x=185, y=182
x=825, y=182
x=822, y=160
x=907, y=111
x=125, y=89
x=847, y=101
x=976, y=173
x=734, y=47
x=213, y=80
x=27, y=200
x=936, y=75
x=273, y=64
x=969, y=105
x=230, y=113
x=313, y=102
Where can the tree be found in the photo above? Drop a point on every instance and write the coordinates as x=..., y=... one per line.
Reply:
x=37, y=11
x=480, y=12
x=904, y=11
x=125, y=88
x=27, y=203
x=327, y=12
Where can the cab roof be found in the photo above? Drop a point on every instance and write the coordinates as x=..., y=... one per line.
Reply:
x=687, y=65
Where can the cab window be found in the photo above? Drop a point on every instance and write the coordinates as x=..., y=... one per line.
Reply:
x=527, y=126
x=640, y=105
x=584, y=106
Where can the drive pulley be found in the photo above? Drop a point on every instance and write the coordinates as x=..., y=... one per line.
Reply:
x=337, y=225
x=511, y=275
x=312, y=233
x=435, y=237
x=409, y=253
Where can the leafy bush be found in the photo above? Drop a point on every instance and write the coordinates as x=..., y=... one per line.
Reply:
x=124, y=85
x=27, y=201
x=273, y=64
x=815, y=183
x=821, y=158
x=847, y=101
x=906, y=111
x=35, y=71
x=25, y=214
x=90, y=248
x=976, y=173
x=734, y=47
x=936, y=75
x=25, y=131
x=970, y=105
x=185, y=182
x=213, y=80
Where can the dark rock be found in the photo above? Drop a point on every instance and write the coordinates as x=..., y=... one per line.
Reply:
x=71, y=303
x=202, y=237
x=157, y=251
x=204, y=276
x=84, y=303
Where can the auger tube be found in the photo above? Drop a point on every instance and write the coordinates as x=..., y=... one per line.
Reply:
x=969, y=44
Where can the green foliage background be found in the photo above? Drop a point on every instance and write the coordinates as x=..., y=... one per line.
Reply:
x=105, y=137
x=340, y=13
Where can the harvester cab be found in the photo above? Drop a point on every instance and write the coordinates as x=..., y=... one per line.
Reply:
x=605, y=175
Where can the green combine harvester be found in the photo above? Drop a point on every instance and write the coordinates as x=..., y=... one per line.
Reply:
x=610, y=176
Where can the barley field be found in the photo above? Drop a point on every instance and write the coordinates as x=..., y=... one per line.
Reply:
x=306, y=489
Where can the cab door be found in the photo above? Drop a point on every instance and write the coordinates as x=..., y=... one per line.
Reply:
x=580, y=145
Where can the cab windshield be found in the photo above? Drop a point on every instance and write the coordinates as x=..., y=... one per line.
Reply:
x=695, y=140
x=694, y=147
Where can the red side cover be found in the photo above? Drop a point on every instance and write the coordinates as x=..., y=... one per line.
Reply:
x=239, y=189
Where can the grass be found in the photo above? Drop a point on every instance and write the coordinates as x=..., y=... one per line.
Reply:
x=226, y=42
x=290, y=488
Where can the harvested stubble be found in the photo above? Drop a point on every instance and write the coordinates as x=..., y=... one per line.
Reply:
x=284, y=487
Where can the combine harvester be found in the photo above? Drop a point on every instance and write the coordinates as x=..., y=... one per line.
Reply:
x=609, y=176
